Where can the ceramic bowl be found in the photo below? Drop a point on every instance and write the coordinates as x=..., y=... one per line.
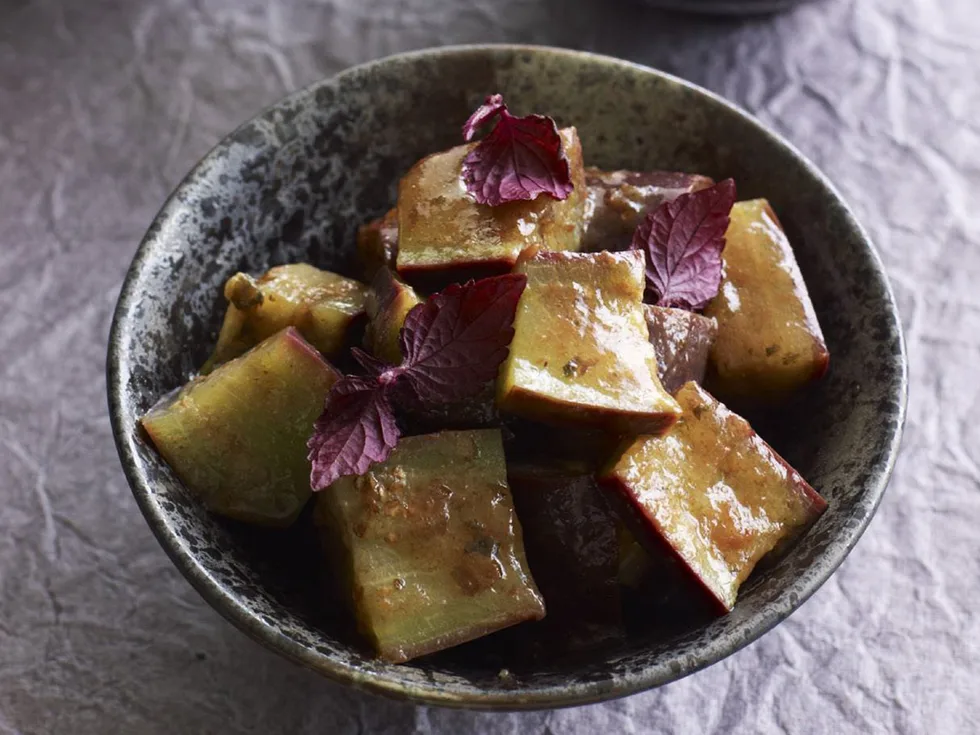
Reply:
x=727, y=7
x=294, y=183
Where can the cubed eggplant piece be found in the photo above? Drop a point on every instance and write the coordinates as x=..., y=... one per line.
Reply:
x=321, y=305
x=237, y=437
x=530, y=441
x=445, y=236
x=377, y=244
x=581, y=354
x=478, y=411
x=769, y=343
x=682, y=341
x=617, y=201
x=387, y=305
x=572, y=539
x=429, y=545
x=713, y=495
x=634, y=566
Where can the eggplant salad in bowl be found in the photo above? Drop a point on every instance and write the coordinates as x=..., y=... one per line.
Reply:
x=518, y=438
x=617, y=308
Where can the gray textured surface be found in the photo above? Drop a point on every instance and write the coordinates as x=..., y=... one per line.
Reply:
x=103, y=106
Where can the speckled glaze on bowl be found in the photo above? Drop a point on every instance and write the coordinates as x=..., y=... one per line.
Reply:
x=295, y=182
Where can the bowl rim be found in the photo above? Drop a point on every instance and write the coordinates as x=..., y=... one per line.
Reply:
x=727, y=7
x=580, y=693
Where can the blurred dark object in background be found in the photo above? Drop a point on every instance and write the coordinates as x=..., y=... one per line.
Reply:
x=726, y=7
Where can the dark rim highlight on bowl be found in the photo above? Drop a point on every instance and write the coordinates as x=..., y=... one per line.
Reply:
x=709, y=645
x=727, y=7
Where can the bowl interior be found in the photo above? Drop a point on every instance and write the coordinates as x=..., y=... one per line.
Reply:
x=294, y=184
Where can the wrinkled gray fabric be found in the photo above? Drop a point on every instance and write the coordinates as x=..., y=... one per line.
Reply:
x=104, y=105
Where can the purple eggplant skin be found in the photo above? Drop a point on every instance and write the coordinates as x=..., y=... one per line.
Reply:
x=617, y=200
x=682, y=341
x=572, y=539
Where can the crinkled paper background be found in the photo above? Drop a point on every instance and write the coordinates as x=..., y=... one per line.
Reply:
x=105, y=105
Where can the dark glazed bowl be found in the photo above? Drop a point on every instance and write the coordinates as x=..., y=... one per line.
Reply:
x=726, y=7
x=295, y=182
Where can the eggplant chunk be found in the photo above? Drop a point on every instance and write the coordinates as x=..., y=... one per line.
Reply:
x=429, y=545
x=769, y=343
x=530, y=442
x=634, y=565
x=713, y=495
x=572, y=540
x=617, y=201
x=682, y=341
x=478, y=411
x=581, y=355
x=445, y=236
x=377, y=244
x=320, y=304
x=237, y=437
x=387, y=305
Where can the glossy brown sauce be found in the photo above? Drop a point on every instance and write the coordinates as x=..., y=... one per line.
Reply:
x=580, y=352
x=717, y=494
x=320, y=304
x=441, y=227
x=769, y=343
x=433, y=543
